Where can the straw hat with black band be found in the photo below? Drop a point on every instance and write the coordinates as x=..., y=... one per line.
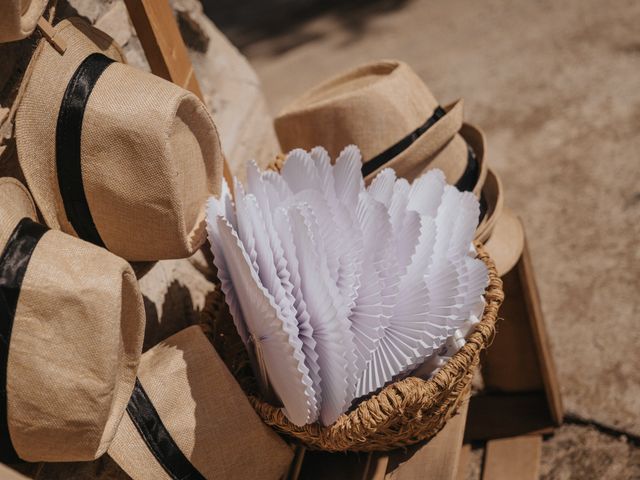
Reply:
x=70, y=338
x=119, y=157
x=391, y=115
x=188, y=418
x=381, y=107
x=19, y=18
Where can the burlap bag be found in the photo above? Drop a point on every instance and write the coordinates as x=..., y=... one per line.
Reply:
x=72, y=328
x=18, y=18
x=391, y=115
x=188, y=418
x=114, y=155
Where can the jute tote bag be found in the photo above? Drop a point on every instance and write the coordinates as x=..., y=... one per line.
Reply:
x=391, y=115
x=70, y=338
x=188, y=418
x=116, y=156
x=18, y=18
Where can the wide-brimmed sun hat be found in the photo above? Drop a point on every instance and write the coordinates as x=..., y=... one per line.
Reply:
x=19, y=18
x=189, y=418
x=70, y=338
x=114, y=155
x=386, y=110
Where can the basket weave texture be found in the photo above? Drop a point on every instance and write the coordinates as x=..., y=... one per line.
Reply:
x=401, y=414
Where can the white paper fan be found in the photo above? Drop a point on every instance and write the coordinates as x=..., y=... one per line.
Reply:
x=278, y=343
x=332, y=333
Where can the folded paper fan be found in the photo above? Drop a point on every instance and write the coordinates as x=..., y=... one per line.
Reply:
x=337, y=288
x=275, y=339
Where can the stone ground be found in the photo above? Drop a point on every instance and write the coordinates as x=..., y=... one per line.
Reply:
x=556, y=87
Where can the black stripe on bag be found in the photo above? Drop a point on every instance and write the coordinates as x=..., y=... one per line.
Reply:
x=469, y=178
x=13, y=265
x=156, y=436
x=394, y=150
x=68, y=146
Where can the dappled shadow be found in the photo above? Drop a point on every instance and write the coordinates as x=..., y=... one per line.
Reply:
x=246, y=23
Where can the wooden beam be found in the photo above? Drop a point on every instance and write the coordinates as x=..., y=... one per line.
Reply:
x=540, y=337
x=163, y=46
x=463, y=462
x=513, y=458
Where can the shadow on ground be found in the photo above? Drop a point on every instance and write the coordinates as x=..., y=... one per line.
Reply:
x=282, y=21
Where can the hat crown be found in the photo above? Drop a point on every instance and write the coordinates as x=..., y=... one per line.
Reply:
x=138, y=153
x=372, y=106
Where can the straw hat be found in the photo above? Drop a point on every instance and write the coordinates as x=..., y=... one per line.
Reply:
x=71, y=330
x=188, y=418
x=114, y=155
x=390, y=114
x=493, y=198
x=507, y=242
x=19, y=18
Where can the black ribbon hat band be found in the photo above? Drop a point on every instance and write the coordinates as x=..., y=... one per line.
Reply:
x=157, y=438
x=68, y=145
x=13, y=266
x=465, y=183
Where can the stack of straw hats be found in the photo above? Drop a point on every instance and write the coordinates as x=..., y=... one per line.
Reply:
x=391, y=115
x=118, y=166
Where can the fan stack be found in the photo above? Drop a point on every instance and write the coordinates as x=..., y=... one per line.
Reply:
x=338, y=289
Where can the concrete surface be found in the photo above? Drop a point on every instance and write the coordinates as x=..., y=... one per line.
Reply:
x=556, y=87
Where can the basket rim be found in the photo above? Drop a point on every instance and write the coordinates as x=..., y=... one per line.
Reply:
x=381, y=409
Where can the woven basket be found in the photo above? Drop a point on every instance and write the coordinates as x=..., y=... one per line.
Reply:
x=401, y=414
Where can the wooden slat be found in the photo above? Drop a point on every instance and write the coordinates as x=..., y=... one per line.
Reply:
x=437, y=459
x=508, y=415
x=463, y=462
x=540, y=337
x=519, y=359
x=335, y=466
x=160, y=37
x=511, y=363
x=513, y=458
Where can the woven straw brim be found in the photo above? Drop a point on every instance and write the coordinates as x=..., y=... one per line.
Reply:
x=494, y=196
x=475, y=138
x=401, y=414
x=74, y=352
x=75, y=343
x=19, y=18
x=45, y=82
x=205, y=412
x=15, y=204
x=506, y=242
